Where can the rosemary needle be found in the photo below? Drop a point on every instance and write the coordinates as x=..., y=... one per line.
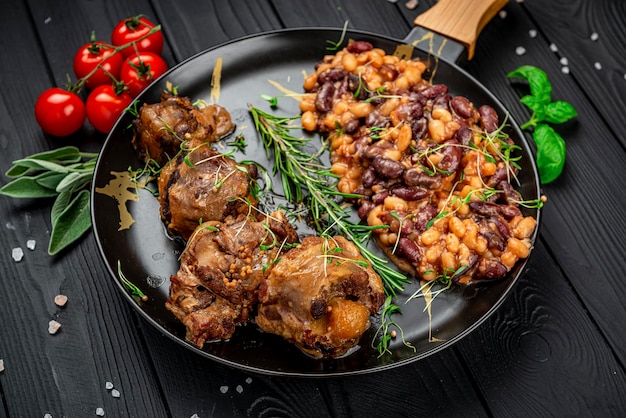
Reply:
x=300, y=171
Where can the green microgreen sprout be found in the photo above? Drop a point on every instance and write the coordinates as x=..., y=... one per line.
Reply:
x=334, y=46
x=384, y=333
x=134, y=291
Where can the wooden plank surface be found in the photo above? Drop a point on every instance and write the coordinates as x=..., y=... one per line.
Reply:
x=553, y=348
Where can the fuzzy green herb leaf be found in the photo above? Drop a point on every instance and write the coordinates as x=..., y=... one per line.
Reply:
x=71, y=223
x=64, y=173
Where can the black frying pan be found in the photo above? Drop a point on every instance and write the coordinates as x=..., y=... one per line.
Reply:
x=147, y=257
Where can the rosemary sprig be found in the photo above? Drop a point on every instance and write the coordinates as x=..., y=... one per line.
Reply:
x=300, y=171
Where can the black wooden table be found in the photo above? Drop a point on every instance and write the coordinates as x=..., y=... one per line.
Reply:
x=554, y=348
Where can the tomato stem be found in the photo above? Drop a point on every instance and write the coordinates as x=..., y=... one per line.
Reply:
x=75, y=88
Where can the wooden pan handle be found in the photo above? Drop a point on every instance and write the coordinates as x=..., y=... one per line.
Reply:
x=461, y=20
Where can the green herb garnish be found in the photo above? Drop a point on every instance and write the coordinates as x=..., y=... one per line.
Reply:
x=65, y=174
x=550, y=145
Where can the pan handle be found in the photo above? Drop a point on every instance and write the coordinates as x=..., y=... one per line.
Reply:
x=460, y=20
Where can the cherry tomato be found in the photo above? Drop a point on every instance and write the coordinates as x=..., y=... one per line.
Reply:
x=139, y=71
x=89, y=56
x=105, y=105
x=132, y=29
x=59, y=112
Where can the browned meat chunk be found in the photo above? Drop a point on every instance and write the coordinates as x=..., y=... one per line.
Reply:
x=319, y=296
x=161, y=127
x=221, y=268
x=203, y=185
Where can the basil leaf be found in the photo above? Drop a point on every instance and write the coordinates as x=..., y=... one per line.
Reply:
x=71, y=223
x=550, y=152
x=68, y=154
x=26, y=187
x=559, y=112
x=538, y=81
x=537, y=106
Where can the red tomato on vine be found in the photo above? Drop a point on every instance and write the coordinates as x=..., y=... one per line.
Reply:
x=59, y=112
x=139, y=71
x=131, y=30
x=105, y=105
x=89, y=56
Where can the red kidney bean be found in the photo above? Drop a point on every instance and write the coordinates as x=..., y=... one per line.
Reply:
x=418, y=127
x=488, y=118
x=375, y=119
x=435, y=90
x=409, y=250
x=490, y=270
x=510, y=194
x=423, y=216
x=464, y=135
x=369, y=177
x=358, y=47
x=388, y=168
x=462, y=106
x=484, y=208
x=407, y=226
x=410, y=194
x=494, y=240
x=324, y=99
x=331, y=75
x=351, y=126
x=452, y=155
x=502, y=226
x=442, y=102
x=415, y=177
x=379, y=198
x=365, y=208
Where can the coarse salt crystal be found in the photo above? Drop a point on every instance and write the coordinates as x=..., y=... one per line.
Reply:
x=239, y=388
x=594, y=36
x=53, y=327
x=411, y=4
x=502, y=14
x=565, y=69
x=17, y=254
x=108, y=385
x=532, y=33
x=47, y=20
x=60, y=300
x=47, y=416
x=100, y=412
x=553, y=47
x=597, y=66
x=30, y=244
x=520, y=50
x=223, y=389
x=564, y=61
x=116, y=393
x=249, y=380
x=1, y=365
x=194, y=416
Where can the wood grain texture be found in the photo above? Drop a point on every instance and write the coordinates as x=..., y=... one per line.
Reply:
x=554, y=348
x=539, y=331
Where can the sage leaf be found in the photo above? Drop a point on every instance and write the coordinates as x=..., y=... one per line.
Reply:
x=71, y=223
x=60, y=203
x=41, y=165
x=73, y=181
x=559, y=112
x=538, y=82
x=49, y=179
x=550, y=152
x=25, y=188
x=68, y=154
